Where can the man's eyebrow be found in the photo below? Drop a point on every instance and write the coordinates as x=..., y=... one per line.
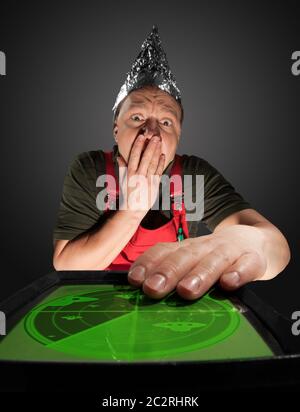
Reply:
x=137, y=103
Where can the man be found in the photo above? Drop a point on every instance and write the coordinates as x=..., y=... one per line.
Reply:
x=148, y=114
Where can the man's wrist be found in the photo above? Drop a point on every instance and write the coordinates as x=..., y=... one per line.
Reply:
x=133, y=215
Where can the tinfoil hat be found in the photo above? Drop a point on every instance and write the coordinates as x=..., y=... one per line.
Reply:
x=150, y=68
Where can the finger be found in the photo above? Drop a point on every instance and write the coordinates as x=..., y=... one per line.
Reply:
x=161, y=165
x=248, y=267
x=156, y=179
x=164, y=277
x=205, y=273
x=135, y=154
x=155, y=160
x=148, y=261
x=147, y=156
x=122, y=174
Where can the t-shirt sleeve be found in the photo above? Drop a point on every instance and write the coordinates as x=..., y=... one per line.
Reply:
x=77, y=210
x=220, y=197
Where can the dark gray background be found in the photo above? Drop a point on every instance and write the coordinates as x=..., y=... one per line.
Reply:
x=65, y=65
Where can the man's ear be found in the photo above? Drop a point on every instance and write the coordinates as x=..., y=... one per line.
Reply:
x=115, y=132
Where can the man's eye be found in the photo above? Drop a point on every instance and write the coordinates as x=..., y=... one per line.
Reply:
x=136, y=116
x=167, y=121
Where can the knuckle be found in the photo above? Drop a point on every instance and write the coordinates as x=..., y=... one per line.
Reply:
x=149, y=256
x=185, y=253
x=130, y=169
x=222, y=253
x=152, y=255
x=151, y=168
x=209, y=266
x=168, y=268
x=205, y=269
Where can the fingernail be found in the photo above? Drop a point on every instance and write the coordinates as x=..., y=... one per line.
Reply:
x=156, y=282
x=156, y=138
x=192, y=284
x=231, y=278
x=137, y=273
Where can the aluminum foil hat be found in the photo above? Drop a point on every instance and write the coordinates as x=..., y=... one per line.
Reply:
x=150, y=68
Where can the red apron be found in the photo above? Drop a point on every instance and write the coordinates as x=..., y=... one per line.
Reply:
x=174, y=230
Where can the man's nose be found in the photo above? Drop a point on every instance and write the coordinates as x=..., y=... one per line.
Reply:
x=151, y=128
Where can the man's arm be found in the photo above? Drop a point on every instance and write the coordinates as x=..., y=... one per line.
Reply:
x=277, y=250
x=97, y=249
x=234, y=254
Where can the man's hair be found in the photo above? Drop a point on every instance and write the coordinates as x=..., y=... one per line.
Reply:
x=117, y=111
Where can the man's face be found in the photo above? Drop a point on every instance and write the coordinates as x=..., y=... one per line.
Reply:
x=150, y=111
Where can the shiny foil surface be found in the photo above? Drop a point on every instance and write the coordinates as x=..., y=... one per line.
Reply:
x=150, y=68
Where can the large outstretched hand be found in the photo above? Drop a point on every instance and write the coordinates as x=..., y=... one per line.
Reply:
x=233, y=256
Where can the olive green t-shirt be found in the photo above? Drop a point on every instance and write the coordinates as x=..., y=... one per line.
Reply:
x=78, y=211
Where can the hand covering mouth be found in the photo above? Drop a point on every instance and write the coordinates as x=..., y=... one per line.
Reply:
x=145, y=145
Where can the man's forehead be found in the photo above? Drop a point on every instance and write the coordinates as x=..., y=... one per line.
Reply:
x=151, y=94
